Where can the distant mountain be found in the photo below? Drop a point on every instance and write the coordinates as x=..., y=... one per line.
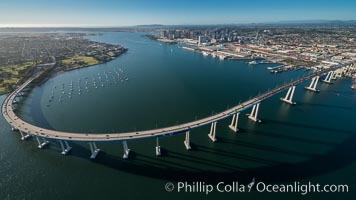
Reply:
x=149, y=26
x=331, y=22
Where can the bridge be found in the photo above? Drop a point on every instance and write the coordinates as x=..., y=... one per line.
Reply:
x=42, y=135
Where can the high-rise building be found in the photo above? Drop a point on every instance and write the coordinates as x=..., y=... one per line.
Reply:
x=163, y=34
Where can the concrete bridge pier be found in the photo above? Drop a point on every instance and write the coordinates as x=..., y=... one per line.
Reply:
x=20, y=94
x=234, y=122
x=14, y=129
x=312, y=86
x=187, y=140
x=254, y=113
x=288, y=98
x=213, y=132
x=328, y=77
x=65, y=147
x=94, y=150
x=24, y=135
x=17, y=98
x=333, y=77
x=158, y=148
x=42, y=142
x=126, y=150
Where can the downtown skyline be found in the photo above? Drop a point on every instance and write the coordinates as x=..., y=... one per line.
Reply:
x=109, y=13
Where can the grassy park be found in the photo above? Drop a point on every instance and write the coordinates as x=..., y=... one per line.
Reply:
x=78, y=62
x=10, y=75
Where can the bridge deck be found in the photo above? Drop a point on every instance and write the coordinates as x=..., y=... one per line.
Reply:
x=17, y=123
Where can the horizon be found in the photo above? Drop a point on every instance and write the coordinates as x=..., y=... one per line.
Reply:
x=110, y=13
x=287, y=22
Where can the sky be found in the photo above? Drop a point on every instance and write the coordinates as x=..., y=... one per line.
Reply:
x=107, y=13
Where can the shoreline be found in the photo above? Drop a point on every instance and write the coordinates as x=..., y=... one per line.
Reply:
x=59, y=52
x=57, y=72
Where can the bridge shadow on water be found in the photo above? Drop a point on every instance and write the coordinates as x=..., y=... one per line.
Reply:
x=285, y=136
x=177, y=166
x=197, y=165
x=299, y=125
x=325, y=105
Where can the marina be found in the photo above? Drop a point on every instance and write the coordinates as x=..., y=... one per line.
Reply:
x=115, y=77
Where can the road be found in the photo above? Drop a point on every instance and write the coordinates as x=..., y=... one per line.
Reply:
x=19, y=124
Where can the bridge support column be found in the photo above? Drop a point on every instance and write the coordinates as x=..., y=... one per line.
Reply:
x=254, y=113
x=65, y=147
x=14, y=129
x=333, y=76
x=17, y=98
x=41, y=142
x=158, y=148
x=126, y=150
x=328, y=77
x=288, y=98
x=213, y=132
x=94, y=150
x=187, y=140
x=234, y=121
x=312, y=86
x=25, y=135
